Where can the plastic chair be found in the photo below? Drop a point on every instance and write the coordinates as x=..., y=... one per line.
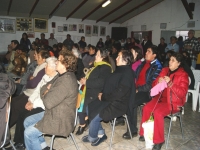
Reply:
x=113, y=129
x=195, y=92
x=179, y=115
x=7, y=124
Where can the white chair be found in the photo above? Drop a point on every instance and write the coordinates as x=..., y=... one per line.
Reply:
x=195, y=92
x=7, y=124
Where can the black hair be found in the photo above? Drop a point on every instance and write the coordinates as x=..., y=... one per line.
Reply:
x=139, y=51
x=15, y=42
x=117, y=46
x=21, y=47
x=76, y=45
x=44, y=54
x=162, y=38
x=127, y=56
x=180, y=38
x=173, y=37
x=154, y=49
x=104, y=54
x=25, y=35
x=55, y=46
x=179, y=57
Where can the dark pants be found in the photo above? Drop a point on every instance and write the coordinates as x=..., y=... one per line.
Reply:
x=17, y=105
x=82, y=116
x=19, y=130
x=19, y=88
x=140, y=98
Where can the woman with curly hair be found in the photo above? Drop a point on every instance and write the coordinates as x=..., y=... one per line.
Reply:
x=59, y=99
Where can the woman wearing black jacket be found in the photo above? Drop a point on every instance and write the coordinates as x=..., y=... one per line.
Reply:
x=93, y=85
x=114, y=101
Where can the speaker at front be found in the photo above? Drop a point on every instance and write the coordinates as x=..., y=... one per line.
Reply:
x=119, y=33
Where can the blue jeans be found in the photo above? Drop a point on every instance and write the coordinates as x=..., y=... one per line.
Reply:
x=194, y=63
x=32, y=136
x=95, y=129
x=33, y=119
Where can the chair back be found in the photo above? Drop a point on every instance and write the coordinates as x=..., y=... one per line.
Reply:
x=196, y=77
x=7, y=121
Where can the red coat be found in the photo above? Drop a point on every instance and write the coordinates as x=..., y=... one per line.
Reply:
x=177, y=87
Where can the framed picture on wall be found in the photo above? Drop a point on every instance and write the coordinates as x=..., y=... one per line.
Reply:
x=31, y=34
x=60, y=28
x=102, y=31
x=24, y=24
x=65, y=27
x=81, y=28
x=88, y=30
x=40, y=25
x=72, y=27
x=7, y=25
x=95, y=30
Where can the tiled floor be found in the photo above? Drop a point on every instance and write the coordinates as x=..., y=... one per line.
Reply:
x=191, y=141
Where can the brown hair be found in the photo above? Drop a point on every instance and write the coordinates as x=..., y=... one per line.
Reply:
x=69, y=60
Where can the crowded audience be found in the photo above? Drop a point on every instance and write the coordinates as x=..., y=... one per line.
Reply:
x=111, y=79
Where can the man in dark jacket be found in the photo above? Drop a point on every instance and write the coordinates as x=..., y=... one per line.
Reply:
x=145, y=44
x=146, y=73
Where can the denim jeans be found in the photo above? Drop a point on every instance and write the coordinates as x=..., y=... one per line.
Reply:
x=95, y=129
x=33, y=119
x=32, y=136
x=194, y=63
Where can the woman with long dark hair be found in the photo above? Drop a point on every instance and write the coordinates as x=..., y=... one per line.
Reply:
x=137, y=56
x=25, y=42
x=93, y=84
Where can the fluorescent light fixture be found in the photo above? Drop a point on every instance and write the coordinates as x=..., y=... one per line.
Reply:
x=106, y=3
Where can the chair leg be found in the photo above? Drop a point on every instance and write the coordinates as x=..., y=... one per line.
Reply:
x=128, y=126
x=72, y=136
x=113, y=130
x=12, y=145
x=52, y=139
x=194, y=101
x=168, y=133
x=181, y=125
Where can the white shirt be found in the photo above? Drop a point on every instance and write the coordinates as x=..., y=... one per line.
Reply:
x=52, y=42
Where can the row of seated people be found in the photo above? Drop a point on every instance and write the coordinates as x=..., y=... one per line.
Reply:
x=105, y=95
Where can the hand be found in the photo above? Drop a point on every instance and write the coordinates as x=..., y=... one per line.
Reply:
x=83, y=81
x=49, y=86
x=136, y=91
x=18, y=81
x=160, y=80
x=167, y=79
x=31, y=77
x=99, y=96
x=29, y=106
x=91, y=63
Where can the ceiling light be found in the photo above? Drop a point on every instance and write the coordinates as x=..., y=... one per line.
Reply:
x=106, y=3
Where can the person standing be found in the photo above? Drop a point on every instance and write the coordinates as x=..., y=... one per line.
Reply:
x=52, y=40
x=192, y=46
x=146, y=43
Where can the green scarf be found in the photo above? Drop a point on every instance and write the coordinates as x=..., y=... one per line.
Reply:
x=96, y=64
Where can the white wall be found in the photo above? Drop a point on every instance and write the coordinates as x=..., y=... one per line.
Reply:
x=5, y=38
x=171, y=12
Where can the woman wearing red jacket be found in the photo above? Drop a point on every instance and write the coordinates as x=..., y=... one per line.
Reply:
x=170, y=99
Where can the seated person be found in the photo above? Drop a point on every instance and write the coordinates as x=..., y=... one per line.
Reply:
x=173, y=46
x=60, y=106
x=7, y=88
x=20, y=101
x=21, y=82
x=119, y=89
x=92, y=85
x=19, y=63
x=146, y=73
x=137, y=56
x=177, y=84
x=34, y=104
x=88, y=59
